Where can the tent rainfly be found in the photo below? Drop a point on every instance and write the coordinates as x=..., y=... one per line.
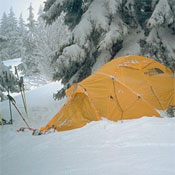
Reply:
x=125, y=88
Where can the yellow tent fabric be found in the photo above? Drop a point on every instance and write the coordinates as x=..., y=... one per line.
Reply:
x=125, y=88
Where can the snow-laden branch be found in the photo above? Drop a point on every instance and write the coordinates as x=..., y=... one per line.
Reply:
x=161, y=15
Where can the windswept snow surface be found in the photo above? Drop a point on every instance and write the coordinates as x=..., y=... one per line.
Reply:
x=144, y=146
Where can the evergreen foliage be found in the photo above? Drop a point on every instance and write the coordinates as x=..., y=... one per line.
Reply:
x=11, y=43
x=31, y=21
x=100, y=31
x=45, y=40
x=8, y=82
x=30, y=65
x=74, y=10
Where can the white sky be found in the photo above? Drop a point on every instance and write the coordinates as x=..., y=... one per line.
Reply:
x=20, y=6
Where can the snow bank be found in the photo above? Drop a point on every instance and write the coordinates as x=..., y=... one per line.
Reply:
x=142, y=146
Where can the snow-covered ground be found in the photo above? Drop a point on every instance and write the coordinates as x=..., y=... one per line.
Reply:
x=13, y=62
x=144, y=146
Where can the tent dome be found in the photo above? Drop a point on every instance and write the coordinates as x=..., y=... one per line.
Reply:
x=125, y=88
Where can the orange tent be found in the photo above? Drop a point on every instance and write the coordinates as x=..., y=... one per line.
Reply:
x=125, y=88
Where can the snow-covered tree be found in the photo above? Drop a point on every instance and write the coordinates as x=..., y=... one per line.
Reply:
x=3, y=38
x=22, y=26
x=104, y=29
x=22, y=31
x=97, y=33
x=3, y=49
x=48, y=38
x=30, y=19
x=29, y=42
x=3, y=23
x=8, y=81
x=161, y=39
x=12, y=35
x=9, y=29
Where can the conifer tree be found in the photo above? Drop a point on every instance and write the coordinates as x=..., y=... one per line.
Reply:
x=21, y=25
x=104, y=29
x=3, y=24
x=22, y=35
x=3, y=37
x=29, y=60
x=48, y=39
x=11, y=43
x=30, y=19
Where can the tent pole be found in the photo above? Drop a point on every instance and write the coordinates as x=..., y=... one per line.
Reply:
x=10, y=107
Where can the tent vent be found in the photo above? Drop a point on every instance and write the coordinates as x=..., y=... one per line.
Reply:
x=154, y=71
